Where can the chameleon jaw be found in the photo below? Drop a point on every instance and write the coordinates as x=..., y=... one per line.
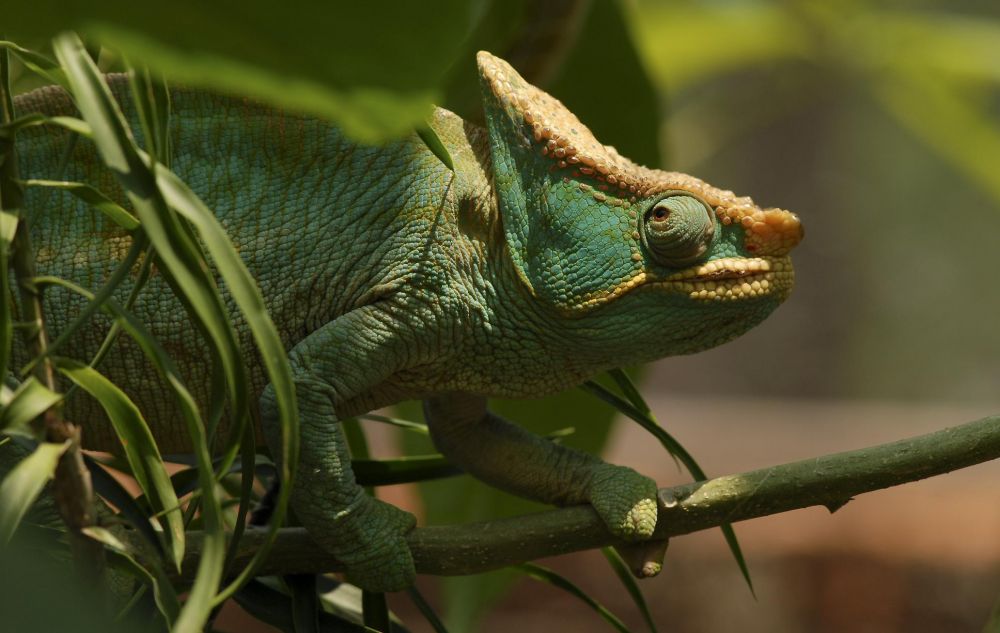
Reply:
x=732, y=279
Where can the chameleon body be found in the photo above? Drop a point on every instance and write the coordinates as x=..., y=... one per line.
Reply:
x=542, y=259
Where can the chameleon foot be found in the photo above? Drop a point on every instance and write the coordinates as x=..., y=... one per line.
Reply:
x=370, y=540
x=625, y=500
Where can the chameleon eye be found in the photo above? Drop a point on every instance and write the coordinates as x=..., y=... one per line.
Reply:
x=678, y=229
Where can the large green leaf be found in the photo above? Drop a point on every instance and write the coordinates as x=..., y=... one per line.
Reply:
x=372, y=67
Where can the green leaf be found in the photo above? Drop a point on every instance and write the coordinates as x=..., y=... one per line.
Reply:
x=322, y=59
x=123, y=556
x=139, y=447
x=648, y=422
x=305, y=602
x=248, y=298
x=433, y=143
x=631, y=586
x=387, y=472
x=35, y=119
x=30, y=400
x=37, y=63
x=179, y=258
x=425, y=609
x=94, y=198
x=546, y=575
x=22, y=485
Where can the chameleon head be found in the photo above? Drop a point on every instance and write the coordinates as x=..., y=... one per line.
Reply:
x=592, y=233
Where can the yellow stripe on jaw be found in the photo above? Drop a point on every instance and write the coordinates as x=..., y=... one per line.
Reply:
x=732, y=279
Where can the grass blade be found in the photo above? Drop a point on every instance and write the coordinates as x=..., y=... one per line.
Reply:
x=139, y=447
x=22, y=485
x=386, y=472
x=433, y=143
x=426, y=610
x=30, y=400
x=94, y=198
x=248, y=298
x=631, y=586
x=546, y=575
x=37, y=63
x=193, y=285
x=646, y=421
x=123, y=557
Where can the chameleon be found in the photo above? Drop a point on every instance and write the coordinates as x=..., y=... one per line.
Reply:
x=539, y=259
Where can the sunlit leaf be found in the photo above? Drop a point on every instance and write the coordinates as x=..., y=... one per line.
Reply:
x=30, y=400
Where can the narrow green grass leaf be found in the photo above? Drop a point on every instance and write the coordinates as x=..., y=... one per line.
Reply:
x=30, y=400
x=178, y=256
x=134, y=511
x=35, y=119
x=631, y=586
x=139, y=447
x=426, y=610
x=546, y=575
x=94, y=198
x=248, y=298
x=268, y=604
x=37, y=63
x=386, y=472
x=408, y=425
x=22, y=485
x=433, y=143
x=674, y=448
x=122, y=556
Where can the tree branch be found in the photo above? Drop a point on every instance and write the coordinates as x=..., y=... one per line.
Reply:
x=831, y=481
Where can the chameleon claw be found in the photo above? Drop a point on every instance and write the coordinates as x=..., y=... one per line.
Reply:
x=644, y=559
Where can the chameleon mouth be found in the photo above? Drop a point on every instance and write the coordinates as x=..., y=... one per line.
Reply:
x=733, y=279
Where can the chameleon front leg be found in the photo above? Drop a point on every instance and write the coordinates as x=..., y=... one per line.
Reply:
x=512, y=459
x=343, y=360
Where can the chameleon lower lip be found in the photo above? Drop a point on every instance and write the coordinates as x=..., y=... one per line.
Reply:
x=733, y=279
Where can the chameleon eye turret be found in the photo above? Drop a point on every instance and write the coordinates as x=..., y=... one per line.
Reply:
x=678, y=229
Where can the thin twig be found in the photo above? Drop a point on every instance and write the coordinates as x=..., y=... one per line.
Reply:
x=829, y=481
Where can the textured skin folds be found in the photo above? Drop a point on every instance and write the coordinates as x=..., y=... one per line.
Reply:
x=521, y=273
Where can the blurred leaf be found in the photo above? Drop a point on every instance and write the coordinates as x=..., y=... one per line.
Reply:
x=323, y=59
x=546, y=575
x=140, y=449
x=962, y=46
x=94, y=198
x=22, y=485
x=305, y=602
x=606, y=85
x=631, y=586
x=686, y=44
x=30, y=400
x=937, y=114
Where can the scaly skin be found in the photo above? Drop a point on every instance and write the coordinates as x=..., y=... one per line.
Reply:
x=542, y=260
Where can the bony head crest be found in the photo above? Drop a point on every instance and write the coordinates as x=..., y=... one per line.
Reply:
x=574, y=210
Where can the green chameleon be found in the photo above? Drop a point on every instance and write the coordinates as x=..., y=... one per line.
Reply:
x=542, y=259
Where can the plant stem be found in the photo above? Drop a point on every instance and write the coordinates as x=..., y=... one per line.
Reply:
x=830, y=481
